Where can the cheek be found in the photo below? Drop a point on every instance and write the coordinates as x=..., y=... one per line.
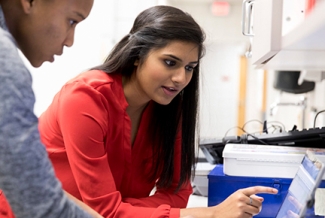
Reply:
x=54, y=33
x=152, y=74
x=157, y=75
x=188, y=78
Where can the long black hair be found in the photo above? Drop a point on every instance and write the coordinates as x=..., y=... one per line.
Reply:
x=154, y=28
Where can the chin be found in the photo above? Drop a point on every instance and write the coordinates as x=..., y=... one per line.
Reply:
x=37, y=63
x=163, y=102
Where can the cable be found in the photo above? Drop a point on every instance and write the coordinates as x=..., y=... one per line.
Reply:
x=275, y=127
x=242, y=137
x=250, y=122
x=265, y=127
x=284, y=129
x=268, y=123
x=235, y=127
x=257, y=139
x=316, y=116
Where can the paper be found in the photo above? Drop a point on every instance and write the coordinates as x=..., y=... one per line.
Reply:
x=320, y=202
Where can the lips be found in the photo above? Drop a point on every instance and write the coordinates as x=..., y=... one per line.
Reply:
x=170, y=88
x=51, y=59
x=170, y=91
x=59, y=54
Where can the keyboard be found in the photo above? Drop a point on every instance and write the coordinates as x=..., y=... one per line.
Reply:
x=309, y=138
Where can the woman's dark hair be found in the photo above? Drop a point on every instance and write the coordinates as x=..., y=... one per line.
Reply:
x=154, y=28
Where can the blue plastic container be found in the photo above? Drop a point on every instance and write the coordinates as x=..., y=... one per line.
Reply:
x=220, y=186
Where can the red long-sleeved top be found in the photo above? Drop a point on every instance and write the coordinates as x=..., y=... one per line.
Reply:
x=87, y=133
x=5, y=209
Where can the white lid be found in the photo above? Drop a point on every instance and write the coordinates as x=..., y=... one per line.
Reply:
x=268, y=152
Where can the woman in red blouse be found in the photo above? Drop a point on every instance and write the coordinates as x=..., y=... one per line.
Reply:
x=117, y=131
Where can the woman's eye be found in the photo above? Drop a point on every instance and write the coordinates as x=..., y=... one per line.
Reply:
x=170, y=63
x=189, y=68
x=72, y=22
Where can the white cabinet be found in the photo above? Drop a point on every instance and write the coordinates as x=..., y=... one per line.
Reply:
x=266, y=20
x=279, y=47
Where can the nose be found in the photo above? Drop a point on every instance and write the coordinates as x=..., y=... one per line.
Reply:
x=179, y=76
x=69, y=39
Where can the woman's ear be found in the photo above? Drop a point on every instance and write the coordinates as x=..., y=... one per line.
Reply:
x=136, y=62
x=27, y=5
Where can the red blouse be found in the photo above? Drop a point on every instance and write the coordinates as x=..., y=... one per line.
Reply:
x=87, y=133
x=5, y=209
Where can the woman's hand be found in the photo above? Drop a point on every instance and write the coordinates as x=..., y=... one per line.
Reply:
x=241, y=204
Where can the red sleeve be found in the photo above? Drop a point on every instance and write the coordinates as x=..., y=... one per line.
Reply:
x=167, y=196
x=81, y=116
x=5, y=209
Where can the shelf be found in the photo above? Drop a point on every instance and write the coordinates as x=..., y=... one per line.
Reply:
x=303, y=48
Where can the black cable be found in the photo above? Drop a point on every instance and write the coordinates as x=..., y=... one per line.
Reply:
x=265, y=130
x=265, y=127
x=257, y=139
x=238, y=140
x=316, y=116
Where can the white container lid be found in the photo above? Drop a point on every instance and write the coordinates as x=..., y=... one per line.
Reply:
x=264, y=160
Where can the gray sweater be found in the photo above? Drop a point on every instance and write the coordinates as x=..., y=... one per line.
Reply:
x=26, y=174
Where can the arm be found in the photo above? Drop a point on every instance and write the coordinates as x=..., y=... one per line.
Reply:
x=83, y=206
x=236, y=205
x=26, y=174
x=82, y=117
x=5, y=209
x=168, y=196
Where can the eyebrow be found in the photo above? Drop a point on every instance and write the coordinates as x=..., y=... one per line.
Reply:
x=172, y=56
x=80, y=15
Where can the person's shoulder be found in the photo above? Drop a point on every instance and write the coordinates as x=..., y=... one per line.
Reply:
x=11, y=62
x=97, y=78
x=7, y=43
x=9, y=55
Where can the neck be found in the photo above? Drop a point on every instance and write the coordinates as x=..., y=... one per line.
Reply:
x=135, y=98
x=9, y=9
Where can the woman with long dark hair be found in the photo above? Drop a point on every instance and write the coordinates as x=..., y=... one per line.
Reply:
x=121, y=129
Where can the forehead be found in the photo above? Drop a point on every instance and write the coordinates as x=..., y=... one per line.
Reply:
x=81, y=8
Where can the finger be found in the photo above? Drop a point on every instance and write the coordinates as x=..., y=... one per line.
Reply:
x=258, y=189
x=258, y=198
x=248, y=215
x=254, y=207
x=255, y=202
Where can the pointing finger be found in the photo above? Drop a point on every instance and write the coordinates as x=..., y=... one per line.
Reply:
x=259, y=189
